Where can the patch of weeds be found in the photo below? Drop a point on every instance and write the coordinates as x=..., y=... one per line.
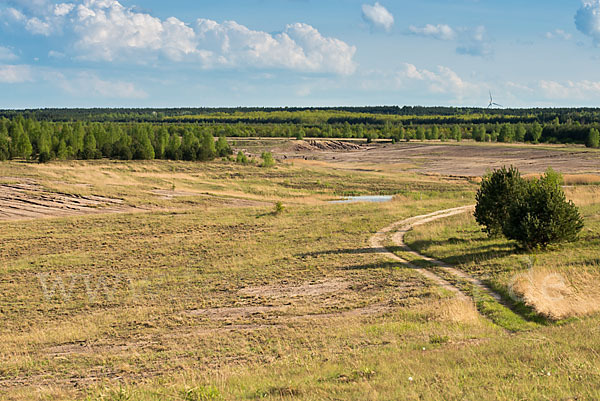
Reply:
x=122, y=394
x=365, y=373
x=436, y=339
x=202, y=393
x=281, y=391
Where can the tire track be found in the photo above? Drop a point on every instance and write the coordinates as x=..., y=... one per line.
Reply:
x=399, y=230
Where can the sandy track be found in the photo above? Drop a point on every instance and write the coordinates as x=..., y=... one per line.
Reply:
x=400, y=229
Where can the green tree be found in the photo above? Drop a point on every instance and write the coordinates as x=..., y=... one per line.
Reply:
x=506, y=133
x=20, y=144
x=207, y=150
x=222, y=147
x=89, y=146
x=498, y=191
x=173, y=150
x=534, y=133
x=420, y=133
x=161, y=142
x=456, y=133
x=520, y=132
x=593, y=138
x=45, y=147
x=142, y=146
x=542, y=215
x=4, y=145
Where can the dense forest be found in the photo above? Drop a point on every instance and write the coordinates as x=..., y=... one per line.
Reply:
x=189, y=133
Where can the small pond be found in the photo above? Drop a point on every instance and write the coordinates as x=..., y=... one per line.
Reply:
x=367, y=198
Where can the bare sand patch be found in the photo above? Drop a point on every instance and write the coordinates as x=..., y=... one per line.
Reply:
x=466, y=159
x=25, y=199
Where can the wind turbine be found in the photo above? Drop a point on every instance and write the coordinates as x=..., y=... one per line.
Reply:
x=492, y=102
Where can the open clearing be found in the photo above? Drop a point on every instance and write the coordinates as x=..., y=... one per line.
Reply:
x=181, y=282
x=450, y=159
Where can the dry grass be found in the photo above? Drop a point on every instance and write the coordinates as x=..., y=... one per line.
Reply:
x=454, y=310
x=584, y=195
x=559, y=293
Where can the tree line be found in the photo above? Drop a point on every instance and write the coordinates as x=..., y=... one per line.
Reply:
x=23, y=136
x=28, y=139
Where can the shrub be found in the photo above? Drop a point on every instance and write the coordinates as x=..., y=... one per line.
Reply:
x=542, y=215
x=279, y=208
x=268, y=160
x=497, y=192
x=241, y=158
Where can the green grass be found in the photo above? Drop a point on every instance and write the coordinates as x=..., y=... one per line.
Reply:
x=199, y=300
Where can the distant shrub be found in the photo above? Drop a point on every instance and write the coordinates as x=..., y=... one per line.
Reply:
x=498, y=191
x=241, y=158
x=542, y=215
x=279, y=208
x=267, y=159
x=44, y=157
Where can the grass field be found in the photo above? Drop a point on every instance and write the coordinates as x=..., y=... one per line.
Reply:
x=196, y=289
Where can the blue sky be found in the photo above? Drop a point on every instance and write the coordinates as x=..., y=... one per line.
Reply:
x=128, y=53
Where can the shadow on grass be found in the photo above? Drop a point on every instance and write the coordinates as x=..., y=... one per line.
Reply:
x=341, y=251
x=479, y=253
x=376, y=265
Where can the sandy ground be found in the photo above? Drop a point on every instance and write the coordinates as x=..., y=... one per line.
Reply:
x=26, y=199
x=445, y=158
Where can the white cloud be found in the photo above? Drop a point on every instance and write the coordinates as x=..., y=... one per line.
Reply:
x=587, y=20
x=63, y=9
x=469, y=41
x=56, y=54
x=15, y=74
x=558, y=34
x=474, y=42
x=105, y=30
x=441, y=31
x=86, y=84
x=581, y=90
x=378, y=16
x=6, y=54
x=39, y=27
x=444, y=81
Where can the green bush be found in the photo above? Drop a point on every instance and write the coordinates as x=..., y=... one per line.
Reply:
x=268, y=160
x=542, y=215
x=241, y=158
x=498, y=191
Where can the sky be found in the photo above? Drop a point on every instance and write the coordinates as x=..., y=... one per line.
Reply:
x=276, y=53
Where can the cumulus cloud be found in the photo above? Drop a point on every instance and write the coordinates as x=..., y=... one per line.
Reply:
x=587, y=20
x=469, y=41
x=15, y=74
x=88, y=84
x=6, y=54
x=558, y=34
x=474, y=42
x=440, y=31
x=378, y=16
x=442, y=81
x=580, y=90
x=105, y=30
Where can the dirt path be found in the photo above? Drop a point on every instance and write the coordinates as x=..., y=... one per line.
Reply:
x=399, y=230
